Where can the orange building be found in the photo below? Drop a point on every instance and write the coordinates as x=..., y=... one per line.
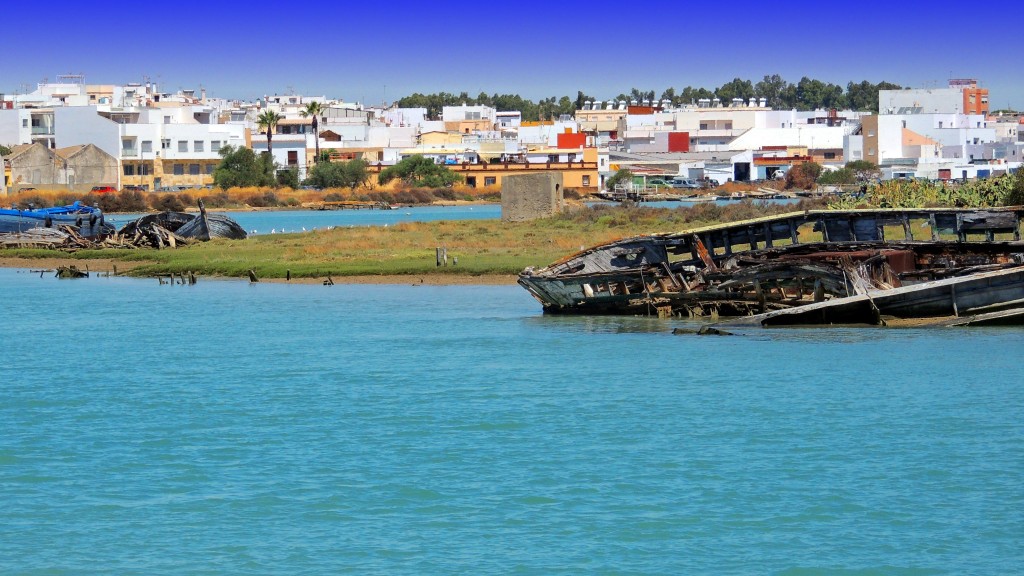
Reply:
x=975, y=99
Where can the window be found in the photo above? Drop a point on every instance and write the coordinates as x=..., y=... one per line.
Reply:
x=198, y=146
x=167, y=119
x=215, y=146
x=193, y=169
x=293, y=158
x=147, y=145
x=127, y=145
x=703, y=126
x=586, y=180
x=830, y=155
x=182, y=145
x=24, y=123
x=165, y=144
x=143, y=169
x=179, y=169
x=129, y=170
x=871, y=133
x=210, y=168
x=871, y=151
x=489, y=180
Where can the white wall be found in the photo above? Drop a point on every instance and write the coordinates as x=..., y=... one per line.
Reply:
x=11, y=131
x=890, y=137
x=853, y=148
x=81, y=125
x=934, y=100
x=811, y=136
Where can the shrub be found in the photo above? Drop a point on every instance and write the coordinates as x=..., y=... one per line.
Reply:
x=803, y=176
x=218, y=200
x=168, y=202
x=267, y=199
x=837, y=177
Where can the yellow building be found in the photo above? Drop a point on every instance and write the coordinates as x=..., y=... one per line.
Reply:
x=156, y=174
x=580, y=175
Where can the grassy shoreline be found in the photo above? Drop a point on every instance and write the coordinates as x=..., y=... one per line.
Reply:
x=476, y=248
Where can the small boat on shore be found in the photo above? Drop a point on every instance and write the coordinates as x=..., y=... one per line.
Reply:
x=88, y=221
x=185, y=226
x=697, y=199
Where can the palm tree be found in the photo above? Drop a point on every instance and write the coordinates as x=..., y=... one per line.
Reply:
x=267, y=121
x=314, y=109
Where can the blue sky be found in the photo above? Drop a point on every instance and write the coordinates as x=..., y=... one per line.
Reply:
x=381, y=51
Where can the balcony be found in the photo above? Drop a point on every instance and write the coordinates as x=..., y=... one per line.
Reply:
x=42, y=130
x=129, y=152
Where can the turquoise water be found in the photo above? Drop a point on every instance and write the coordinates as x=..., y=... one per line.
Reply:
x=278, y=221
x=227, y=428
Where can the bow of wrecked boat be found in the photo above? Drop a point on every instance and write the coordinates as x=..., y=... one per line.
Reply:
x=779, y=262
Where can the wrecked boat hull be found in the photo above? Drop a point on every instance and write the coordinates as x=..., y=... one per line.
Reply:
x=971, y=295
x=762, y=265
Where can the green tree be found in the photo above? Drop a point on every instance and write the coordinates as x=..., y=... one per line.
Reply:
x=622, y=176
x=242, y=167
x=670, y=95
x=566, y=106
x=420, y=171
x=267, y=122
x=315, y=110
x=736, y=88
x=864, y=170
x=771, y=88
x=581, y=99
x=1015, y=196
x=289, y=178
x=338, y=174
x=4, y=150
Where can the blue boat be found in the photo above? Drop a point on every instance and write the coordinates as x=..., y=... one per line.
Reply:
x=86, y=220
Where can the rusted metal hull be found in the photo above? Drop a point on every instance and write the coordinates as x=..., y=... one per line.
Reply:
x=759, y=266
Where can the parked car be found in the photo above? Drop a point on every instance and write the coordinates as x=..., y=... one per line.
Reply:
x=104, y=190
x=686, y=183
x=657, y=183
x=134, y=188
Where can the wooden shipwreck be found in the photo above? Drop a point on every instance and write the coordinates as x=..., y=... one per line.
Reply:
x=780, y=265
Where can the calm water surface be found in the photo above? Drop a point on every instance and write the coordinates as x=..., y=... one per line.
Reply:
x=278, y=221
x=227, y=428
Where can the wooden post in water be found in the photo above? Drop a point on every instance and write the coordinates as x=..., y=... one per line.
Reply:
x=444, y=254
x=437, y=255
x=288, y=275
x=252, y=276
